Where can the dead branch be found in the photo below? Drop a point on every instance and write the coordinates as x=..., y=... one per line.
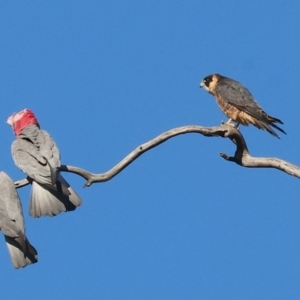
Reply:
x=241, y=156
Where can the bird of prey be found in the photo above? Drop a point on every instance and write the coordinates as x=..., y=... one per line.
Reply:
x=12, y=225
x=238, y=104
x=36, y=154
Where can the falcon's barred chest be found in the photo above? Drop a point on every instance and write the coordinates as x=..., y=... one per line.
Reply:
x=234, y=113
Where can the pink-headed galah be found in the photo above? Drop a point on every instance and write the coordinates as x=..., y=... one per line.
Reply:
x=12, y=225
x=36, y=154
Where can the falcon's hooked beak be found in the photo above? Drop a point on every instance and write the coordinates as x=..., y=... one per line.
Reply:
x=201, y=84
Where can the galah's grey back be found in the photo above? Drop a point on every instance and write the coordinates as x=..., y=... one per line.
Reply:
x=12, y=225
x=36, y=154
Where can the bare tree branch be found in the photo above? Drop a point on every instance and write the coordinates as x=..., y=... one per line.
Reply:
x=21, y=183
x=241, y=156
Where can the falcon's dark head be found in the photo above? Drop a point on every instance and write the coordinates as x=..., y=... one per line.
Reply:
x=209, y=82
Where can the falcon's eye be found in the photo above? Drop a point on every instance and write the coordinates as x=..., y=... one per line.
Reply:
x=207, y=80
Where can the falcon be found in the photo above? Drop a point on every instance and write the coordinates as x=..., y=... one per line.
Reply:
x=36, y=154
x=237, y=103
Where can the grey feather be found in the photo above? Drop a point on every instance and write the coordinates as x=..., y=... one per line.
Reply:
x=37, y=155
x=12, y=225
x=53, y=201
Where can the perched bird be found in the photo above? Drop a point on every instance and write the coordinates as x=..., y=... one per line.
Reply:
x=238, y=104
x=36, y=154
x=12, y=225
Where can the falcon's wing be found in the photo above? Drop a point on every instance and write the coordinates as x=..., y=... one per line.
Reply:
x=27, y=158
x=237, y=95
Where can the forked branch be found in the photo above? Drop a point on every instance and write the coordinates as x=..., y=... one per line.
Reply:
x=241, y=156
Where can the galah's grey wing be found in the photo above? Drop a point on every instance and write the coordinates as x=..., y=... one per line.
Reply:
x=12, y=225
x=30, y=161
x=48, y=149
x=11, y=214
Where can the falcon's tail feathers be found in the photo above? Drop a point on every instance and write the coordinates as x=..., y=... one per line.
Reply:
x=278, y=128
x=265, y=126
x=46, y=201
x=274, y=120
x=21, y=255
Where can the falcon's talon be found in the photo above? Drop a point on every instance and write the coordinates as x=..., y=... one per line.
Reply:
x=229, y=124
x=228, y=121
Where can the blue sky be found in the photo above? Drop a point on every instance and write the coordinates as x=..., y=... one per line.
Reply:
x=179, y=223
